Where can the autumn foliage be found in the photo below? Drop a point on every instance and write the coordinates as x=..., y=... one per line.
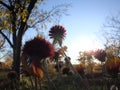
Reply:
x=113, y=66
x=80, y=69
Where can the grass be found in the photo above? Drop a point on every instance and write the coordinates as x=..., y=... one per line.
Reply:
x=3, y=74
x=64, y=82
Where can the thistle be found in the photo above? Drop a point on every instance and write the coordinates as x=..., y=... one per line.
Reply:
x=57, y=33
x=33, y=52
x=38, y=47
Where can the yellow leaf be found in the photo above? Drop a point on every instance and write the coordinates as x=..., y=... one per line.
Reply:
x=0, y=27
x=24, y=15
x=24, y=20
x=5, y=22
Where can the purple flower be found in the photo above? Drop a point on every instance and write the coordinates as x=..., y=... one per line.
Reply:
x=38, y=47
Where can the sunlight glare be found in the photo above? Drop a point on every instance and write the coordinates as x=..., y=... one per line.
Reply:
x=88, y=44
x=83, y=44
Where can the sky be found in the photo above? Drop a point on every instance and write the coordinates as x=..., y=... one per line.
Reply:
x=83, y=24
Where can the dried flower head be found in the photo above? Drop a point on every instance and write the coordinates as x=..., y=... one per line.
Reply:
x=113, y=66
x=34, y=51
x=56, y=56
x=58, y=33
x=66, y=71
x=38, y=47
x=100, y=55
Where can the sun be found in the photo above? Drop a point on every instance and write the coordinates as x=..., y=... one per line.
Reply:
x=88, y=44
x=82, y=44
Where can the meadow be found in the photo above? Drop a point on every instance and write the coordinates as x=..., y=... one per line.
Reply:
x=56, y=81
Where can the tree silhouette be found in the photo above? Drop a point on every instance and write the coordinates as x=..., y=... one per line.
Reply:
x=86, y=59
x=111, y=33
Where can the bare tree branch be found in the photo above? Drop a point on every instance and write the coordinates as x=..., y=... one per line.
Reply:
x=6, y=38
x=31, y=6
x=52, y=11
x=5, y=5
x=23, y=24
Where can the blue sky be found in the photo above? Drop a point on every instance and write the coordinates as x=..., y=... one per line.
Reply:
x=84, y=23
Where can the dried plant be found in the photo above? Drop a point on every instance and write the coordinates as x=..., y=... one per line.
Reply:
x=57, y=33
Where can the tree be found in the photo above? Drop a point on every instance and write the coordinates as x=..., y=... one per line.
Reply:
x=86, y=59
x=112, y=35
x=17, y=16
x=100, y=55
x=112, y=46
